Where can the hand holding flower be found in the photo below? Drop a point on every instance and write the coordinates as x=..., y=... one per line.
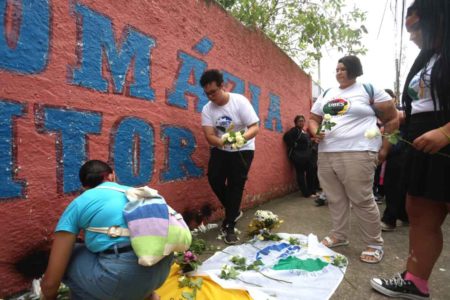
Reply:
x=326, y=124
x=235, y=139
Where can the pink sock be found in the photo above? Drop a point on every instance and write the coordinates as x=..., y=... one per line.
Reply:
x=420, y=283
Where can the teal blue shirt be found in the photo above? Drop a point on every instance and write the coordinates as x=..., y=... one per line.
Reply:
x=96, y=208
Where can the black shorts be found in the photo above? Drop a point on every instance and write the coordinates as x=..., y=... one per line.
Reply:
x=427, y=175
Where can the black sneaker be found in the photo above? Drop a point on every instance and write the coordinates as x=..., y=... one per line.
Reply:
x=398, y=287
x=319, y=201
x=230, y=236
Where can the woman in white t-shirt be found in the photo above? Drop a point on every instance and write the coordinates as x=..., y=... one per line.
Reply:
x=347, y=160
x=426, y=98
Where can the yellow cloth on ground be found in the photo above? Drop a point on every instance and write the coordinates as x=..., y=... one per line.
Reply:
x=210, y=290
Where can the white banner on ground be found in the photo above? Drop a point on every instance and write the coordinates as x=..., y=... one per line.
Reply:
x=303, y=271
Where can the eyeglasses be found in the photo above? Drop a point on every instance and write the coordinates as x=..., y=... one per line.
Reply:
x=211, y=93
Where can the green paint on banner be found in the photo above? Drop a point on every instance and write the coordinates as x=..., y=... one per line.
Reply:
x=292, y=263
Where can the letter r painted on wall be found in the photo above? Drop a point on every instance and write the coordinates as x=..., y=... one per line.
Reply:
x=180, y=144
x=72, y=128
x=97, y=39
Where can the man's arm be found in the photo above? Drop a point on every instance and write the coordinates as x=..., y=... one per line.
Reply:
x=252, y=131
x=59, y=258
x=387, y=114
x=211, y=137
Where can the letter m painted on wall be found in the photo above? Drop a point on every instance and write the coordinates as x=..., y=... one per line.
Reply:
x=97, y=38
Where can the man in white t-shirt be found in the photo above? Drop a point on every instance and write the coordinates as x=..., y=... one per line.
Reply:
x=229, y=163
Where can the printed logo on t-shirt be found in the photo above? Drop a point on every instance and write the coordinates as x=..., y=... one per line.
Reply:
x=224, y=124
x=336, y=107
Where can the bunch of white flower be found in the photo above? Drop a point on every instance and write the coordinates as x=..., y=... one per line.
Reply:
x=235, y=139
x=263, y=215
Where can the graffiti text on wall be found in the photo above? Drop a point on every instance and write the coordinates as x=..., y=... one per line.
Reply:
x=24, y=49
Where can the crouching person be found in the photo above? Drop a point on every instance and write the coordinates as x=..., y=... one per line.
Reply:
x=104, y=267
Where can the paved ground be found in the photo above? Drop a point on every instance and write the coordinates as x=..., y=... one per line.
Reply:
x=301, y=216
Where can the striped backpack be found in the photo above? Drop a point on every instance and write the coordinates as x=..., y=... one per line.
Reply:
x=154, y=228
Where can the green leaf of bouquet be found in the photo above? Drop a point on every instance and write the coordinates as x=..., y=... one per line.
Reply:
x=393, y=139
x=187, y=295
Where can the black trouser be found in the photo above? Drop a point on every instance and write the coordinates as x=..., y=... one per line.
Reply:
x=227, y=173
x=394, y=190
x=305, y=177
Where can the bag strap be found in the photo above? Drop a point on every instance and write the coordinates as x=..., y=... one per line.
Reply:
x=111, y=188
x=112, y=231
x=369, y=89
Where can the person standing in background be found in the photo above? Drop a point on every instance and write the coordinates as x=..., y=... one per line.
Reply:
x=394, y=184
x=300, y=154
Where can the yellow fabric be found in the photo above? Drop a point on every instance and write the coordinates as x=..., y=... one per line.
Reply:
x=209, y=291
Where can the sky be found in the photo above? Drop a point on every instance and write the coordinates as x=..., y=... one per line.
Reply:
x=382, y=42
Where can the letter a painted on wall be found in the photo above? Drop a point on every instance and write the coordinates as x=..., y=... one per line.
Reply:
x=24, y=49
x=274, y=114
x=97, y=36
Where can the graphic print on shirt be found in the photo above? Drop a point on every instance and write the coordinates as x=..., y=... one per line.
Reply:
x=419, y=87
x=336, y=107
x=224, y=124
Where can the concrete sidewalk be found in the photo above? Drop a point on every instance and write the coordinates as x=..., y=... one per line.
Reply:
x=301, y=216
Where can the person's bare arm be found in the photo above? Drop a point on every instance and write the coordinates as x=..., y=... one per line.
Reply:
x=211, y=137
x=434, y=140
x=387, y=113
x=59, y=259
x=251, y=132
x=313, y=126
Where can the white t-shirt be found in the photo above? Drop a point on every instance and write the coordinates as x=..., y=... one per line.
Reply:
x=419, y=90
x=237, y=114
x=350, y=109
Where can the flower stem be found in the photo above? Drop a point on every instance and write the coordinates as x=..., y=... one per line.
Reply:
x=411, y=144
x=249, y=282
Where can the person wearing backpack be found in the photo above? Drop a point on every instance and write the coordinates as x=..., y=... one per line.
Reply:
x=347, y=160
x=103, y=267
x=300, y=154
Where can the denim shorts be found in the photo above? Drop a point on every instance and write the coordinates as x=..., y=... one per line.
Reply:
x=112, y=276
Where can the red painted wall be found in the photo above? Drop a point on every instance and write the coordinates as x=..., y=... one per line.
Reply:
x=35, y=190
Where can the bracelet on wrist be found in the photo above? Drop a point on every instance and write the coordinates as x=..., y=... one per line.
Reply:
x=442, y=130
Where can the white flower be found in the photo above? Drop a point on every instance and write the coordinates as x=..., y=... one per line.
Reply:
x=240, y=139
x=239, y=144
x=372, y=133
x=238, y=134
x=234, y=146
x=181, y=278
x=327, y=117
x=230, y=139
x=225, y=136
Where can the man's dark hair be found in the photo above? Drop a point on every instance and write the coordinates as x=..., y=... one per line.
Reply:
x=93, y=173
x=210, y=76
x=353, y=66
x=298, y=117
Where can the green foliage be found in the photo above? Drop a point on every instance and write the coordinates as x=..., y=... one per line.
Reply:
x=340, y=261
x=194, y=284
x=302, y=28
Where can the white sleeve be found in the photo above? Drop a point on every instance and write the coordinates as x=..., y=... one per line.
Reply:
x=317, y=106
x=380, y=95
x=206, y=117
x=248, y=114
